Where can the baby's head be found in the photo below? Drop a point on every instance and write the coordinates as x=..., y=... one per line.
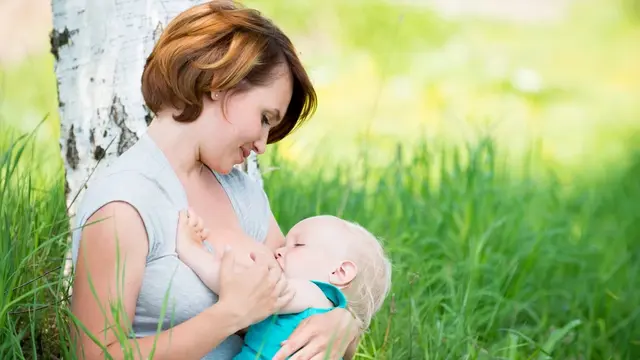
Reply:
x=329, y=249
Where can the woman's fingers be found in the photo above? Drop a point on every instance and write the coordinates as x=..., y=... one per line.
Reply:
x=281, y=285
x=321, y=334
x=289, y=290
x=322, y=356
x=319, y=347
x=285, y=298
x=246, y=287
x=310, y=351
x=284, y=292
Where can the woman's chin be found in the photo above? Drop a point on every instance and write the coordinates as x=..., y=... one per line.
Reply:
x=223, y=169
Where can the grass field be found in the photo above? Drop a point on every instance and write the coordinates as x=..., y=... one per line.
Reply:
x=485, y=265
x=521, y=245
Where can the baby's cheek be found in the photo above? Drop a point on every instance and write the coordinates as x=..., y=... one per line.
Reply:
x=312, y=267
x=297, y=268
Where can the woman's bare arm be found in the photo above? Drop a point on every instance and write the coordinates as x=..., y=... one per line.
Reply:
x=98, y=259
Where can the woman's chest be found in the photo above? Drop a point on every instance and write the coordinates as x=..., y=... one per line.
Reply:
x=215, y=208
x=238, y=207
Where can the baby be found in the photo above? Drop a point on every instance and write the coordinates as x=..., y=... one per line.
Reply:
x=330, y=263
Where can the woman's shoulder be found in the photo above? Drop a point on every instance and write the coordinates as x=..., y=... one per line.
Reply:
x=136, y=176
x=118, y=185
x=130, y=188
x=149, y=187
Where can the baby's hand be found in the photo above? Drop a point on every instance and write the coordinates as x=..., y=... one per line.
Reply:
x=191, y=232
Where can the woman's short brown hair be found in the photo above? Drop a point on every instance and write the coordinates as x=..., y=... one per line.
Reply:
x=221, y=45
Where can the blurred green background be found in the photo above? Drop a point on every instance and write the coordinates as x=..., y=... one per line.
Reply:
x=492, y=144
x=561, y=76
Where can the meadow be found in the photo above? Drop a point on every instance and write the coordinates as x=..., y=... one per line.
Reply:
x=498, y=163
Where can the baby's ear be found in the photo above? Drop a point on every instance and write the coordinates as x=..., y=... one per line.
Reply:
x=344, y=274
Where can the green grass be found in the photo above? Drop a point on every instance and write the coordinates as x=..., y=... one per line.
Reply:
x=486, y=264
x=33, y=222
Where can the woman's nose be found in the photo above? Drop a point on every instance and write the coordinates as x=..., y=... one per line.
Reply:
x=260, y=145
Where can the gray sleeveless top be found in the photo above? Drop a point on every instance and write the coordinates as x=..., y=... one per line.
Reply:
x=143, y=177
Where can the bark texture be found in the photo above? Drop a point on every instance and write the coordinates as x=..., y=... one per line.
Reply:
x=100, y=48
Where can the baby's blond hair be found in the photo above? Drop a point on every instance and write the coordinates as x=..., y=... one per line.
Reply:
x=372, y=284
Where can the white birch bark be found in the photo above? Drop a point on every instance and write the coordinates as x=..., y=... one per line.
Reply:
x=100, y=49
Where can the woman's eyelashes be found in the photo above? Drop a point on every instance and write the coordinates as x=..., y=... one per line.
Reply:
x=265, y=120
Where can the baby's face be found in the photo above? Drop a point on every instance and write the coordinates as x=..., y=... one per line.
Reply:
x=314, y=248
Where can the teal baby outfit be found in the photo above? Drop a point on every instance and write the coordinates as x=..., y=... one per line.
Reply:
x=263, y=339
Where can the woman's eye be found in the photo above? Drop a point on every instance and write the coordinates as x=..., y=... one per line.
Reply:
x=265, y=120
x=299, y=245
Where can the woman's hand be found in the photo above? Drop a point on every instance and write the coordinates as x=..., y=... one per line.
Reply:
x=251, y=289
x=260, y=254
x=320, y=336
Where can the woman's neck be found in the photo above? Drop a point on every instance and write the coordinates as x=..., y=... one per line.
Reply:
x=179, y=147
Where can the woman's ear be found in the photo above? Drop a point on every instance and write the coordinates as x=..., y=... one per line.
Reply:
x=344, y=274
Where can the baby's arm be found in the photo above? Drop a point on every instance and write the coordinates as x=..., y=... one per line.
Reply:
x=190, y=249
x=205, y=265
x=307, y=295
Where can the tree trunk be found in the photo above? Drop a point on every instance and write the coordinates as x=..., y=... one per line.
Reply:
x=100, y=48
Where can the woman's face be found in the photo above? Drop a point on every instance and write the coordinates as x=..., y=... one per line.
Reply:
x=227, y=139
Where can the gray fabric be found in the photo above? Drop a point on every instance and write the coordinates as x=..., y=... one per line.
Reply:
x=143, y=178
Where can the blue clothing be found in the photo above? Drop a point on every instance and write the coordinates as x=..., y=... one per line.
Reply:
x=263, y=339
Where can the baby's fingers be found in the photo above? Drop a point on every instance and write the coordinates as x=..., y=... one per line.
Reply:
x=199, y=224
x=192, y=217
x=204, y=234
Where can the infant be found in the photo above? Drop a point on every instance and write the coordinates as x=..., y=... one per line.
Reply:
x=328, y=261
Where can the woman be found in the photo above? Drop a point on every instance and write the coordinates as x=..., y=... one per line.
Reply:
x=222, y=81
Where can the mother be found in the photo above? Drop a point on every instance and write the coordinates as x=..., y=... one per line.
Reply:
x=222, y=81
